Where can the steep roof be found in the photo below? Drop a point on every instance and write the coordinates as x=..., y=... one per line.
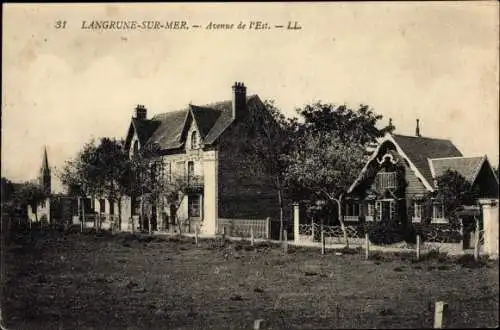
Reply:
x=144, y=128
x=211, y=120
x=468, y=167
x=420, y=149
x=205, y=118
x=169, y=131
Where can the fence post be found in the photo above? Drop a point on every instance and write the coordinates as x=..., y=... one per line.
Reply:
x=418, y=247
x=268, y=228
x=251, y=237
x=312, y=230
x=367, y=246
x=322, y=240
x=196, y=235
x=438, y=314
x=285, y=243
x=296, y=222
x=476, y=241
x=224, y=235
x=256, y=324
x=461, y=234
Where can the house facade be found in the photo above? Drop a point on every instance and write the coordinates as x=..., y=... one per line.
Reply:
x=402, y=171
x=203, y=146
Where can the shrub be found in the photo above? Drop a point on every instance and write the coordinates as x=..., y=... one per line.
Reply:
x=390, y=233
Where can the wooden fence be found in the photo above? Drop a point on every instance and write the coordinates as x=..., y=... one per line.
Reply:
x=242, y=227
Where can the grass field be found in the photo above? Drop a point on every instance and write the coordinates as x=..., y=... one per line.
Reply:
x=88, y=281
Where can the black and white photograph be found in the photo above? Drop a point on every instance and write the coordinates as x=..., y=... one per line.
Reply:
x=282, y=165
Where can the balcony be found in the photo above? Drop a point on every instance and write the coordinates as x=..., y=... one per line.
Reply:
x=195, y=183
x=387, y=180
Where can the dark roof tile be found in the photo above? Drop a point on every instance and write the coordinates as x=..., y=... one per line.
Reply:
x=468, y=167
x=169, y=132
x=144, y=128
x=420, y=149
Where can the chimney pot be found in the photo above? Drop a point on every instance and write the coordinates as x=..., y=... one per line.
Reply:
x=141, y=112
x=417, y=130
x=239, y=103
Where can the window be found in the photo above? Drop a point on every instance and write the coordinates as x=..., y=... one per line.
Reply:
x=370, y=210
x=179, y=168
x=438, y=213
x=111, y=207
x=194, y=140
x=190, y=170
x=418, y=210
x=102, y=206
x=194, y=209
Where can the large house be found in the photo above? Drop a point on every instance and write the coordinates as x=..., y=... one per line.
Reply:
x=402, y=170
x=205, y=146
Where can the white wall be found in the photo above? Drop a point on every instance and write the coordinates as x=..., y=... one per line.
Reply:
x=41, y=210
x=491, y=228
x=211, y=191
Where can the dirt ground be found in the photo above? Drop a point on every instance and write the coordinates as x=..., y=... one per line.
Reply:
x=101, y=281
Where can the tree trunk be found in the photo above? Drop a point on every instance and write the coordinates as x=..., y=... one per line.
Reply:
x=35, y=209
x=119, y=213
x=83, y=215
x=150, y=227
x=341, y=220
x=133, y=225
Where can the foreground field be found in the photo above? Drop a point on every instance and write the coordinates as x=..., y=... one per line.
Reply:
x=77, y=281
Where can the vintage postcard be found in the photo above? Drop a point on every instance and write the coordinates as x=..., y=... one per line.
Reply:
x=250, y=165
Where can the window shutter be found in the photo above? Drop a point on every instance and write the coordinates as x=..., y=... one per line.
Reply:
x=393, y=209
x=378, y=210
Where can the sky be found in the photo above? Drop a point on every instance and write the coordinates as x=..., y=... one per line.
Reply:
x=60, y=87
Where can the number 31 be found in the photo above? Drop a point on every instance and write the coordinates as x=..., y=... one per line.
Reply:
x=60, y=25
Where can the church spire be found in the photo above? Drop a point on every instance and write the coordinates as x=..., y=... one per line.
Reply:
x=45, y=163
x=45, y=176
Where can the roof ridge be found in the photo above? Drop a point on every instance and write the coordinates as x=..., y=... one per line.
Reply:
x=423, y=137
x=457, y=157
x=168, y=113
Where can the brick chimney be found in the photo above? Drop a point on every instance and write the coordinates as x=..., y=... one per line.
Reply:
x=417, y=130
x=239, y=100
x=141, y=112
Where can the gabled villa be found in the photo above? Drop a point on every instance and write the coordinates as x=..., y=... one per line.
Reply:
x=402, y=170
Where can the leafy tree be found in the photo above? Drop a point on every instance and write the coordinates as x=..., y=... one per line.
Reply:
x=353, y=126
x=330, y=151
x=101, y=169
x=271, y=139
x=31, y=193
x=151, y=183
x=326, y=165
x=115, y=169
x=7, y=196
x=453, y=191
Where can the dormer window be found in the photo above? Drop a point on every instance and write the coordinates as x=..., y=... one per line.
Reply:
x=194, y=140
